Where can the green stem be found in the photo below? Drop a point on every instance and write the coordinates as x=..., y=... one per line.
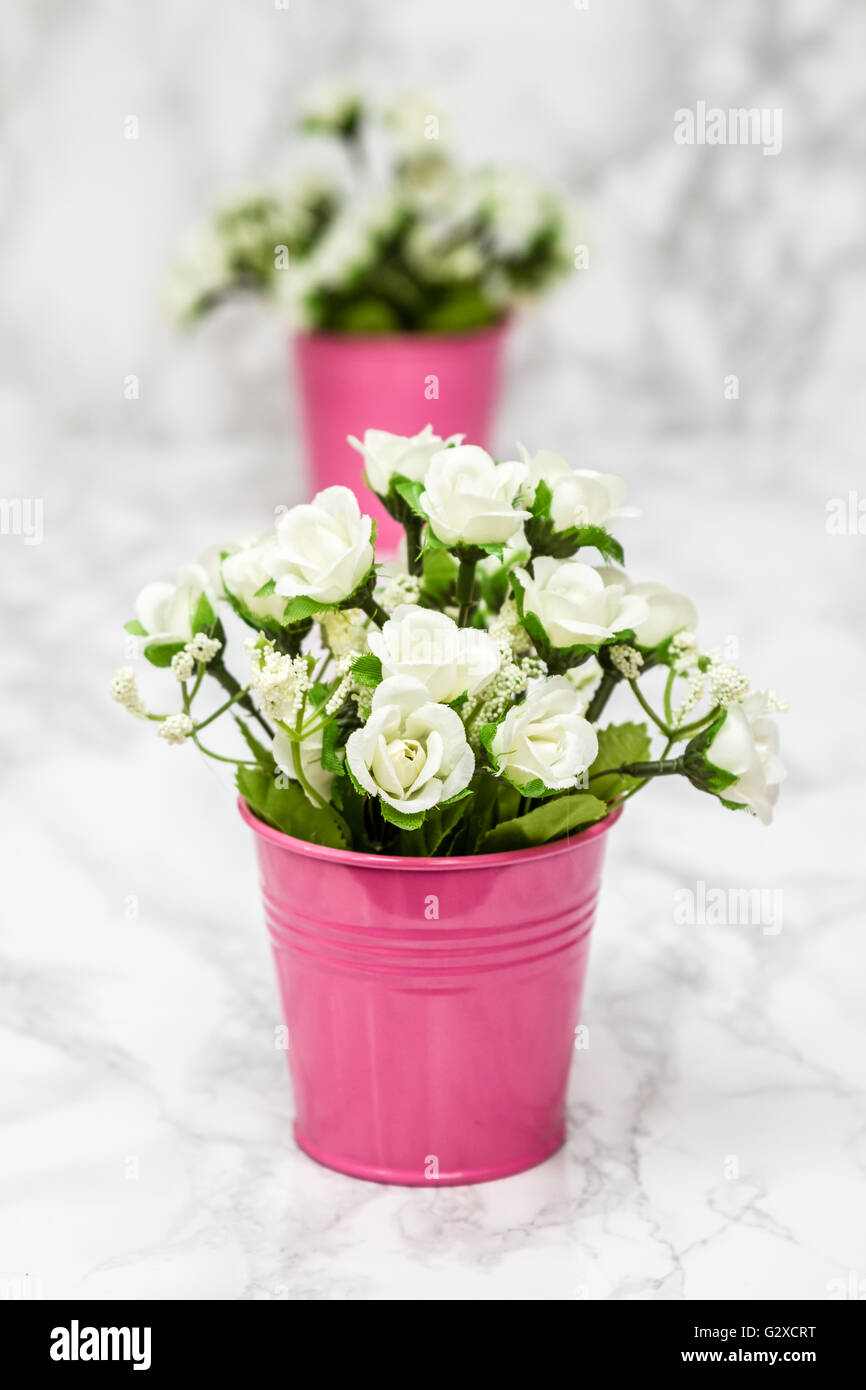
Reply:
x=412, y=526
x=606, y=687
x=697, y=724
x=233, y=687
x=373, y=609
x=669, y=685
x=658, y=767
x=208, y=752
x=648, y=710
x=217, y=712
x=466, y=588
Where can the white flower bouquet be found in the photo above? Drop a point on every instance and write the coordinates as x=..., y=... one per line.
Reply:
x=403, y=241
x=456, y=705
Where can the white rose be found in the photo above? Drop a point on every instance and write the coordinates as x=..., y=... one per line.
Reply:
x=583, y=679
x=469, y=499
x=395, y=455
x=243, y=574
x=579, y=496
x=747, y=745
x=575, y=606
x=311, y=761
x=447, y=659
x=669, y=612
x=166, y=611
x=411, y=753
x=323, y=548
x=546, y=738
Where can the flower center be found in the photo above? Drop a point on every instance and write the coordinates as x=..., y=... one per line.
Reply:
x=407, y=758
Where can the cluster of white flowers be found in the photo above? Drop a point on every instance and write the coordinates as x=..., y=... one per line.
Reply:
x=201, y=649
x=124, y=689
x=684, y=652
x=727, y=684
x=423, y=703
x=345, y=631
x=511, y=680
x=176, y=728
x=480, y=241
x=280, y=681
x=627, y=660
x=400, y=589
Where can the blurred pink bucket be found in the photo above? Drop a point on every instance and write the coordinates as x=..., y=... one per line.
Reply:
x=431, y=1004
x=396, y=382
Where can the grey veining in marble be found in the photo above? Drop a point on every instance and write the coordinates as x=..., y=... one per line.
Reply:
x=717, y=1143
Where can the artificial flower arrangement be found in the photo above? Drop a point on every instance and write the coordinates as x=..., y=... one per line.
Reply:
x=417, y=246
x=456, y=705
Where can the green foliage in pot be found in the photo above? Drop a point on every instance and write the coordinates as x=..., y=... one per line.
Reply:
x=398, y=239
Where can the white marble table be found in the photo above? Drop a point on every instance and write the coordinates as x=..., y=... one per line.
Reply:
x=717, y=1139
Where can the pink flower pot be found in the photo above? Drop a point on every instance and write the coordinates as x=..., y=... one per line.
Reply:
x=431, y=1004
x=400, y=382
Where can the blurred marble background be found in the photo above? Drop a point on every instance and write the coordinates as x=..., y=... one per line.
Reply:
x=146, y=1145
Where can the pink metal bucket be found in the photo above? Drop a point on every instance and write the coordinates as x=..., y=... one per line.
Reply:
x=394, y=382
x=431, y=1004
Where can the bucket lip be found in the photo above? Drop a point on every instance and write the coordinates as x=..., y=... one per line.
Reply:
x=414, y=864
x=469, y=335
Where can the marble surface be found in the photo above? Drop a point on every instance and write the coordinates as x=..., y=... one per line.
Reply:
x=717, y=1134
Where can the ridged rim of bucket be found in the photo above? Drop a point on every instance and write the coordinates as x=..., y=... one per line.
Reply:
x=489, y=330
x=398, y=861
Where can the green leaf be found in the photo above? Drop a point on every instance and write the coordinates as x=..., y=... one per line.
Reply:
x=427, y=840
x=457, y=310
x=486, y=735
x=544, y=539
x=399, y=818
x=266, y=590
x=134, y=626
x=366, y=315
x=410, y=491
x=367, y=670
x=297, y=609
x=701, y=772
x=606, y=544
x=161, y=653
x=261, y=754
x=331, y=760
x=618, y=744
x=557, y=817
x=204, y=617
x=439, y=576
x=286, y=808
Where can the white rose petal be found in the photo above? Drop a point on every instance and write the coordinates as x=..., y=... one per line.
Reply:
x=428, y=645
x=747, y=745
x=165, y=611
x=579, y=496
x=387, y=456
x=323, y=549
x=469, y=499
x=412, y=753
x=669, y=612
x=575, y=606
x=246, y=570
x=546, y=738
